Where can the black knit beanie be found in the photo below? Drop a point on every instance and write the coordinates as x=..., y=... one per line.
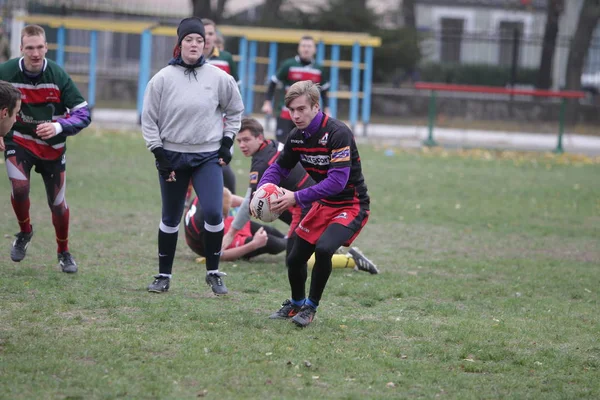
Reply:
x=190, y=25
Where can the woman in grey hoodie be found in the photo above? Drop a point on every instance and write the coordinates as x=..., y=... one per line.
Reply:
x=183, y=125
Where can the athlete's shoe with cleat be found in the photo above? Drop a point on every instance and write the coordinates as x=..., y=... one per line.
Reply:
x=304, y=316
x=67, y=263
x=215, y=281
x=160, y=284
x=362, y=262
x=287, y=310
x=20, y=245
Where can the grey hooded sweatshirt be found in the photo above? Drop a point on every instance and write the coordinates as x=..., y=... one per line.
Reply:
x=190, y=113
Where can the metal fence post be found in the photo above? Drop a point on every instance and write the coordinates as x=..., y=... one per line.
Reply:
x=145, y=69
x=561, y=126
x=335, y=70
x=60, y=46
x=91, y=97
x=249, y=101
x=432, y=115
x=355, y=85
x=367, y=78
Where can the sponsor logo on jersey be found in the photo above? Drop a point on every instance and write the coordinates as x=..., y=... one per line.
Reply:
x=11, y=152
x=343, y=215
x=253, y=177
x=323, y=140
x=340, y=155
x=303, y=228
x=314, y=160
x=297, y=141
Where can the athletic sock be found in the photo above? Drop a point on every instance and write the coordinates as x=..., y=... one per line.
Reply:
x=167, y=244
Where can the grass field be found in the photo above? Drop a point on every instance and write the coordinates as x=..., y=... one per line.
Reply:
x=489, y=290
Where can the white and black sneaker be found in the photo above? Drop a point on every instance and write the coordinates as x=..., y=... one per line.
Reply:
x=66, y=262
x=215, y=281
x=20, y=245
x=362, y=262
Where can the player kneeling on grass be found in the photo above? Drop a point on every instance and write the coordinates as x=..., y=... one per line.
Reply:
x=325, y=147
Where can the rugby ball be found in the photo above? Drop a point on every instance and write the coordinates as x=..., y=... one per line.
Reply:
x=260, y=206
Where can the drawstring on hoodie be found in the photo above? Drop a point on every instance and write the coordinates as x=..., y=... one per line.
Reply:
x=189, y=69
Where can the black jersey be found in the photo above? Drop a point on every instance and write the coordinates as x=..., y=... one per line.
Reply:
x=265, y=156
x=332, y=146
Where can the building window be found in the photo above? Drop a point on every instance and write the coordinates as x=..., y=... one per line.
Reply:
x=451, y=39
x=511, y=33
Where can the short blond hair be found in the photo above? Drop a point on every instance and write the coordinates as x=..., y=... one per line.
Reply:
x=207, y=21
x=33, y=30
x=301, y=88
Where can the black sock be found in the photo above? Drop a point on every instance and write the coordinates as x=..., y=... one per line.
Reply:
x=319, y=277
x=212, y=248
x=167, y=244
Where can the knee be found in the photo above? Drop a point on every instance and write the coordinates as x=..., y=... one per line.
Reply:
x=213, y=217
x=323, y=250
x=20, y=190
x=293, y=261
x=59, y=209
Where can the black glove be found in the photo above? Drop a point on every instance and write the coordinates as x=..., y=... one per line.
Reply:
x=163, y=165
x=225, y=150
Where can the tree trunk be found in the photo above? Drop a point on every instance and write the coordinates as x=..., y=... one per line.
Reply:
x=555, y=8
x=268, y=18
x=218, y=15
x=202, y=9
x=408, y=12
x=580, y=44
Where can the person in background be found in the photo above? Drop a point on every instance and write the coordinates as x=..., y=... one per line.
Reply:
x=299, y=68
x=191, y=113
x=52, y=109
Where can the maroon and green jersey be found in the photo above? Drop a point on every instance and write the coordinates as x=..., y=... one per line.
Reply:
x=224, y=60
x=294, y=70
x=50, y=96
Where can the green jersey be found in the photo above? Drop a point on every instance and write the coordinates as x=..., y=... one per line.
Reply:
x=50, y=96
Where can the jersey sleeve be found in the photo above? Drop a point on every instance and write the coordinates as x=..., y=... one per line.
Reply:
x=282, y=72
x=340, y=148
x=325, y=84
x=233, y=68
x=257, y=171
x=79, y=113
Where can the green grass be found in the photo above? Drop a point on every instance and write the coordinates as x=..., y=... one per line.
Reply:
x=489, y=290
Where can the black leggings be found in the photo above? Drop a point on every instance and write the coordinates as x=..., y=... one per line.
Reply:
x=334, y=236
x=229, y=178
x=276, y=242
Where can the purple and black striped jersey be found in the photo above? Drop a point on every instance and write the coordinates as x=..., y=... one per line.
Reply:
x=331, y=147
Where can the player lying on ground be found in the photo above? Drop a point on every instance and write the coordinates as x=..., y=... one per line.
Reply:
x=253, y=239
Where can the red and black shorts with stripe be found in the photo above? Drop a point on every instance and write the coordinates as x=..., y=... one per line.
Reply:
x=320, y=216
